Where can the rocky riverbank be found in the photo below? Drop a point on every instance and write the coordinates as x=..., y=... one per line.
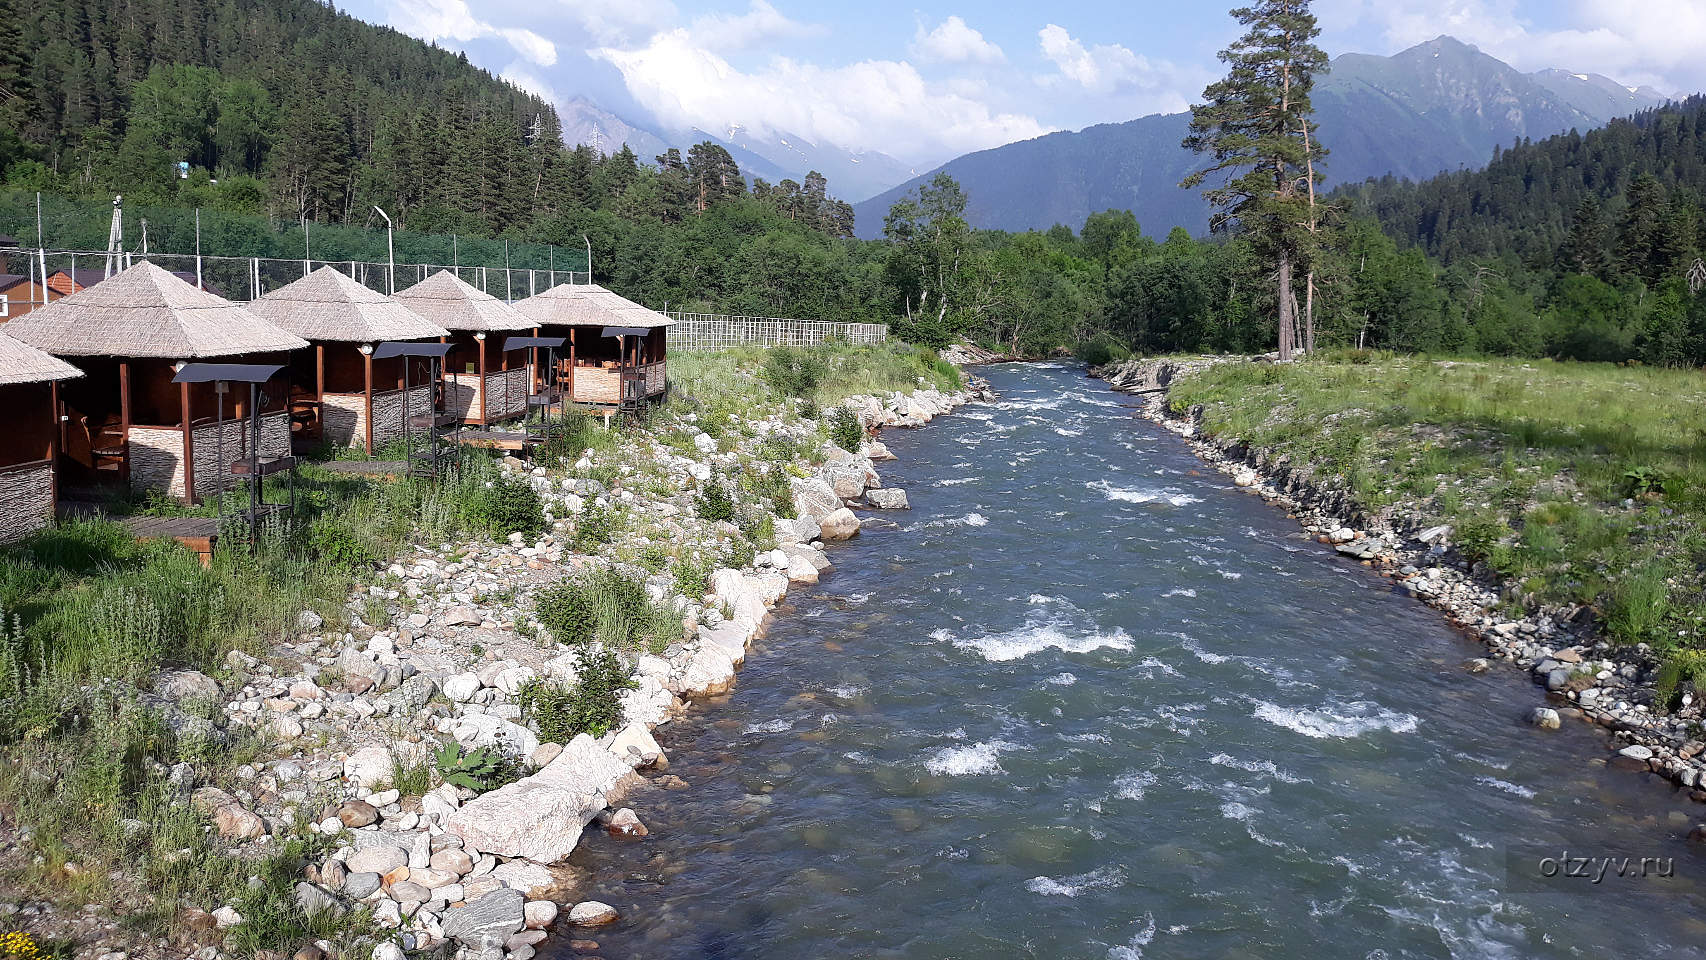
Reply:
x=433, y=665
x=1587, y=677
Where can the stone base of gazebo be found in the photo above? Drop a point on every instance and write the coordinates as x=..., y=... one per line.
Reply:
x=505, y=392
x=157, y=453
x=26, y=499
x=344, y=415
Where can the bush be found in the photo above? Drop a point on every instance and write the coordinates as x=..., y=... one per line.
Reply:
x=714, y=503
x=336, y=545
x=1685, y=670
x=504, y=506
x=479, y=770
x=566, y=611
x=846, y=430
x=560, y=713
x=1102, y=350
x=793, y=372
x=595, y=527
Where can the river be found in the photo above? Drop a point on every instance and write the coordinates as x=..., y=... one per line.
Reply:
x=1089, y=700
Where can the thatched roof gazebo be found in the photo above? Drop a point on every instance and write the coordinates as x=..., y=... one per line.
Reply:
x=29, y=479
x=126, y=418
x=617, y=349
x=483, y=382
x=339, y=391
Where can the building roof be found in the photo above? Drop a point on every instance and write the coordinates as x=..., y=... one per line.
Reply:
x=10, y=280
x=22, y=363
x=86, y=278
x=452, y=303
x=329, y=305
x=146, y=311
x=588, y=305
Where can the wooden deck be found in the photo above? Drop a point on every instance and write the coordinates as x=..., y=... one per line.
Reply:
x=197, y=533
x=382, y=469
x=494, y=439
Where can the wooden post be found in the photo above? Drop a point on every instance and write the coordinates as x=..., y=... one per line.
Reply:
x=481, y=346
x=124, y=420
x=53, y=447
x=367, y=364
x=189, y=443
x=572, y=364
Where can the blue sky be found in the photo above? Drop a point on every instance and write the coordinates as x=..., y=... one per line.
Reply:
x=928, y=81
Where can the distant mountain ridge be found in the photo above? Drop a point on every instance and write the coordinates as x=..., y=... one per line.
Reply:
x=852, y=174
x=1440, y=105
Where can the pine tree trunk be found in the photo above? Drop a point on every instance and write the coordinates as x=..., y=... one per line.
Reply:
x=1309, y=315
x=1286, y=328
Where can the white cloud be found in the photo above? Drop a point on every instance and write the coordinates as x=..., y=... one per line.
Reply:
x=873, y=104
x=1107, y=69
x=758, y=26
x=953, y=41
x=1658, y=43
x=521, y=76
x=435, y=20
x=619, y=22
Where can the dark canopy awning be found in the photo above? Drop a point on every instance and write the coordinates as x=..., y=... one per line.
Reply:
x=524, y=343
x=626, y=331
x=233, y=372
x=406, y=348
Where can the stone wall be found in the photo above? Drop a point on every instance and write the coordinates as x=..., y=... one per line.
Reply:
x=344, y=419
x=157, y=453
x=26, y=499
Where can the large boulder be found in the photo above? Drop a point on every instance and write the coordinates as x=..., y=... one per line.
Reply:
x=540, y=817
x=179, y=686
x=846, y=479
x=892, y=498
x=840, y=525
x=742, y=595
x=370, y=766
x=476, y=730
x=814, y=498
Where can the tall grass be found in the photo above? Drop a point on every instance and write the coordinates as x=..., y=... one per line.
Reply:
x=1577, y=483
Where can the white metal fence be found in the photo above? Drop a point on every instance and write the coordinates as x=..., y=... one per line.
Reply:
x=709, y=331
x=247, y=278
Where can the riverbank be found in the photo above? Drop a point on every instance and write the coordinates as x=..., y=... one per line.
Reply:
x=411, y=770
x=1473, y=513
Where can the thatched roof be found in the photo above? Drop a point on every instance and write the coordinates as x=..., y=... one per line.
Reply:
x=145, y=311
x=588, y=305
x=22, y=363
x=329, y=305
x=449, y=301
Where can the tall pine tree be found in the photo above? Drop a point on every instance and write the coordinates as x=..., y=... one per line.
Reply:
x=1257, y=127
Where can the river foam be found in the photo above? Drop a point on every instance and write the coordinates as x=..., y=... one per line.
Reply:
x=1035, y=638
x=1336, y=721
x=1100, y=878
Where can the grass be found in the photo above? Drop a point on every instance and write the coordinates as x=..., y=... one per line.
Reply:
x=1575, y=483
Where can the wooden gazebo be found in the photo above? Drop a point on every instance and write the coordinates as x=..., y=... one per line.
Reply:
x=483, y=382
x=616, y=348
x=340, y=392
x=126, y=419
x=29, y=393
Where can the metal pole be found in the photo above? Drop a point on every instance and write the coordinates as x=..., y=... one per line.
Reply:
x=507, y=297
x=307, y=266
x=390, y=254
x=455, y=258
x=198, y=283
x=588, y=258
x=145, y=236
x=552, y=257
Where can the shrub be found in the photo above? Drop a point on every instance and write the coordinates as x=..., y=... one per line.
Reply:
x=1100, y=351
x=714, y=503
x=595, y=527
x=793, y=372
x=335, y=544
x=566, y=610
x=560, y=712
x=1638, y=605
x=503, y=506
x=846, y=430
x=1684, y=670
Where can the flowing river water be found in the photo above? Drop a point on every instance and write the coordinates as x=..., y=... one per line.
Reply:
x=1088, y=700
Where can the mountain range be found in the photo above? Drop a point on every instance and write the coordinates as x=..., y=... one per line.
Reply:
x=852, y=174
x=1440, y=105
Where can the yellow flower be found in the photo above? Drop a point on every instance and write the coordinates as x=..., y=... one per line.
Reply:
x=19, y=946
